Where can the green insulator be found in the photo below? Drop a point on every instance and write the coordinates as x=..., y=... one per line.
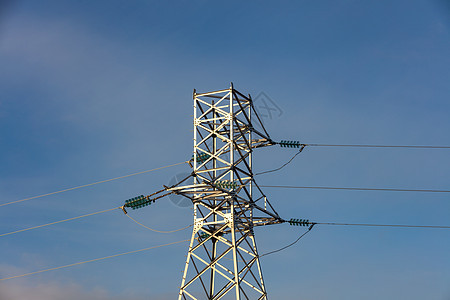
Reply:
x=137, y=202
x=290, y=144
x=299, y=222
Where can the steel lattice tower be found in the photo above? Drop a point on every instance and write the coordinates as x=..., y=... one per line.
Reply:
x=223, y=261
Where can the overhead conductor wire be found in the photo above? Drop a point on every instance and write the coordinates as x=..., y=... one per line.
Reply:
x=90, y=184
x=57, y=222
x=287, y=246
x=356, y=188
x=385, y=225
x=379, y=146
x=271, y=252
x=312, y=224
x=92, y=214
x=279, y=168
x=92, y=260
x=303, y=145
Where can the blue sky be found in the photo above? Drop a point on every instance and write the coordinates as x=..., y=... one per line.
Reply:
x=94, y=90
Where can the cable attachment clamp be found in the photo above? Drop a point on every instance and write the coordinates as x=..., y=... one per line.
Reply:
x=291, y=144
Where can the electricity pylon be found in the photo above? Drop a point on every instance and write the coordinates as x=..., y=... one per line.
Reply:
x=223, y=261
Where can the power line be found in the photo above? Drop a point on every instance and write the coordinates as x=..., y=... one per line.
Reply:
x=57, y=222
x=287, y=246
x=303, y=145
x=90, y=184
x=279, y=168
x=153, y=247
x=311, y=224
x=379, y=146
x=297, y=187
x=384, y=225
x=96, y=213
x=356, y=188
x=92, y=214
x=159, y=231
x=92, y=260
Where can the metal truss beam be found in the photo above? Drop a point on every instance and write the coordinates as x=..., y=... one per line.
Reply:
x=223, y=259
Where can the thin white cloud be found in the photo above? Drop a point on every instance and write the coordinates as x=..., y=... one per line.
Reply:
x=29, y=289
x=49, y=291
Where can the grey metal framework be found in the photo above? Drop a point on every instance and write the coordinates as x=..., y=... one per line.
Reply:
x=223, y=261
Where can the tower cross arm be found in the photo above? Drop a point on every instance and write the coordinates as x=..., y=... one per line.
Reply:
x=266, y=221
x=263, y=142
x=270, y=218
